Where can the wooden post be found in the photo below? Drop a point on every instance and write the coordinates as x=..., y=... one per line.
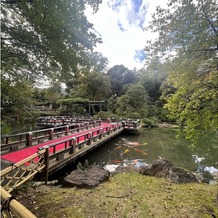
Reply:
x=29, y=138
x=100, y=135
x=51, y=134
x=74, y=144
x=67, y=130
x=90, y=139
x=46, y=164
x=78, y=128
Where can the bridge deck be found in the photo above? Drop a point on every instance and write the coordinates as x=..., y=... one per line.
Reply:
x=19, y=155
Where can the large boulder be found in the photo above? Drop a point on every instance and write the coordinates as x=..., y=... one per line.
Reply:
x=164, y=168
x=88, y=178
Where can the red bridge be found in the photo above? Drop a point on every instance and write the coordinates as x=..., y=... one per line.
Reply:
x=48, y=150
x=45, y=151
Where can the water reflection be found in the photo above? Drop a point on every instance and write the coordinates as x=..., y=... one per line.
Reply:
x=151, y=144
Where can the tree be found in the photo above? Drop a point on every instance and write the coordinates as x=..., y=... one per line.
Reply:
x=152, y=78
x=187, y=42
x=46, y=38
x=120, y=76
x=94, y=86
x=44, y=41
x=134, y=103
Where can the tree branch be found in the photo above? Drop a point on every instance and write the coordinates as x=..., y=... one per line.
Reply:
x=209, y=21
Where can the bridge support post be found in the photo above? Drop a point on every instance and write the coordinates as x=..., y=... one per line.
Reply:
x=29, y=139
x=46, y=164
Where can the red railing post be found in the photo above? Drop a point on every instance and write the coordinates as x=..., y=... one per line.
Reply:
x=90, y=139
x=100, y=133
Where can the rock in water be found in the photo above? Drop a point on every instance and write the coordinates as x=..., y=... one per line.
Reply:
x=89, y=178
x=164, y=168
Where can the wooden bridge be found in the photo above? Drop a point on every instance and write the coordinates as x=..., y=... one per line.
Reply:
x=48, y=150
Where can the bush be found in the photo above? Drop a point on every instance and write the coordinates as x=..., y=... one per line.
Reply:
x=150, y=121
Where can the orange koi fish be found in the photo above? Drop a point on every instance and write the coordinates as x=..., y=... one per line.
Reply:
x=115, y=161
x=138, y=150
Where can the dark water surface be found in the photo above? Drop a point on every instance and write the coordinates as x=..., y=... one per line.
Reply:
x=152, y=143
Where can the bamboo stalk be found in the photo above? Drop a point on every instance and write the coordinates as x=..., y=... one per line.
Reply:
x=15, y=207
x=22, y=162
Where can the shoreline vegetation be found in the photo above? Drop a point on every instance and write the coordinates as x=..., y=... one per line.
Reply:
x=125, y=194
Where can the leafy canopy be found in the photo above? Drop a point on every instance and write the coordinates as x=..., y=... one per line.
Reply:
x=188, y=42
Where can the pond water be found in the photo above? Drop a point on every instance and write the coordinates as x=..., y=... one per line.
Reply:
x=153, y=143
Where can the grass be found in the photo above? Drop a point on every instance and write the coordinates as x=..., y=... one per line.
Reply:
x=124, y=195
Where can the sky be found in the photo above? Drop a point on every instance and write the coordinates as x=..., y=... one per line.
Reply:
x=121, y=23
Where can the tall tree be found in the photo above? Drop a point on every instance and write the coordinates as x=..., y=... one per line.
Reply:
x=49, y=38
x=152, y=78
x=44, y=40
x=134, y=103
x=188, y=42
x=94, y=86
x=120, y=76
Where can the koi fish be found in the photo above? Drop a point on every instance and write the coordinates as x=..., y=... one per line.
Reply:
x=115, y=161
x=138, y=150
x=133, y=143
x=126, y=151
x=118, y=147
x=145, y=143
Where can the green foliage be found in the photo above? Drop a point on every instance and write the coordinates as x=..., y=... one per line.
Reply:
x=73, y=100
x=153, y=77
x=94, y=86
x=134, y=103
x=187, y=43
x=150, y=122
x=5, y=128
x=119, y=76
x=16, y=98
x=106, y=115
x=46, y=38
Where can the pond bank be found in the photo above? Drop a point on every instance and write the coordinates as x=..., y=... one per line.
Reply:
x=126, y=194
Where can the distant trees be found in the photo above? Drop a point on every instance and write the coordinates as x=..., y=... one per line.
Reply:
x=134, y=103
x=94, y=86
x=119, y=76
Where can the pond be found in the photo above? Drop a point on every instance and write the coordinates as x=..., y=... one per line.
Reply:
x=153, y=143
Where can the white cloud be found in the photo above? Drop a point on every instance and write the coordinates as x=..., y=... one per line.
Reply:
x=120, y=27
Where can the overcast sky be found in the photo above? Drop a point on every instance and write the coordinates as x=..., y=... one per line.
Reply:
x=120, y=23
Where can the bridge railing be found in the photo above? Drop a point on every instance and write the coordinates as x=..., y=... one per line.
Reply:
x=59, y=151
x=21, y=140
x=18, y=173
x=131, y=124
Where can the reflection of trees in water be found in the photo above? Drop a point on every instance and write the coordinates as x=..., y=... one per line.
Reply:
x=208, y=148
